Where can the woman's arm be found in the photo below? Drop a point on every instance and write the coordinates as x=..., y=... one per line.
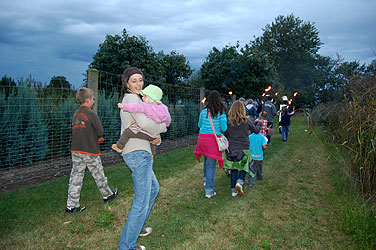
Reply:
x=223, y=120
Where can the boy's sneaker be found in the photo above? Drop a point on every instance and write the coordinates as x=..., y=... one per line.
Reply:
x=240, y=189
x=115, y=193
x=210, y=195
x=140, y=248
x=116, y=148
x=234, y=194
x=146, y=231
x=72, y=209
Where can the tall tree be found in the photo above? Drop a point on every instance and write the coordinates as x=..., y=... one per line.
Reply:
x=119, y=52
x=220, y=69
x=292, y=47
x=175, y=68
x=243, y=72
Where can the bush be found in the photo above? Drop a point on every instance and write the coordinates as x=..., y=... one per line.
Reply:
x=352, y=123
x=23, y=131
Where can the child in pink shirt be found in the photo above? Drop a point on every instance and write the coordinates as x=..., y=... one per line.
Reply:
x=153, y=108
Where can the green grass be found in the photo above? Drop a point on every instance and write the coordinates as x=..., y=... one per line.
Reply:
x=300, y=204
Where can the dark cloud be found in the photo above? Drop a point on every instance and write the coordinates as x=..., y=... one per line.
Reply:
x=49, y=38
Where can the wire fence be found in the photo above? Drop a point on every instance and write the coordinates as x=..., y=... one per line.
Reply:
x=35, y=121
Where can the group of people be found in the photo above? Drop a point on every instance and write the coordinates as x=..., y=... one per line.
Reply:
x=248, y=133
x=143, y=118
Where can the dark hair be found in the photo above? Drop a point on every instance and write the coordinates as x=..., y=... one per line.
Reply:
x=124, y=80
x=215, y=105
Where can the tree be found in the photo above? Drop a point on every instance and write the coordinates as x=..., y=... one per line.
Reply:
x=175, y=68
x=57, y=91
x=220, y=69
x=8, y=86
x=117, y=53
x=245, y=73
x=292, y=45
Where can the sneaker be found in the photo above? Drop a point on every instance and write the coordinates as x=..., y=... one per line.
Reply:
x=146, y=231
x=72, y=209
x=234, y=194
x=116, y=148
x=140, y=248
x=240, y=189
x=115, y=193
x=211, y=195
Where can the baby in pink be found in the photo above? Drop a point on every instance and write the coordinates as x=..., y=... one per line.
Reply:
x=153, y=108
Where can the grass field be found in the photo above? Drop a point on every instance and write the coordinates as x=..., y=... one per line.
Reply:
x=298, y=205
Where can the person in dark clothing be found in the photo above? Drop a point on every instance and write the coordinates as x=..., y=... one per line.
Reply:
x=270, y=108
x=239, y=126
x=285, y=122
x=87, y=132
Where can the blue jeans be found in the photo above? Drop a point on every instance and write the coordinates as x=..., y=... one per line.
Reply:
x=146, y=189
x=285, y=132
x=209, y=173
x=237, y=177
x=268, y=133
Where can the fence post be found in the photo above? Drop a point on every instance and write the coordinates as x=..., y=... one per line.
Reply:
x=92, y=83
x=202, y=95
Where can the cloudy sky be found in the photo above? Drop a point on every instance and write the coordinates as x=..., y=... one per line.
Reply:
x=48, y=38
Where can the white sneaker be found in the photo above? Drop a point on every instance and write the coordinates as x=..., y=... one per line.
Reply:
x=141, y=248
x=234, y=194
x=211, y=196
x=240, y=189
x=146, y=231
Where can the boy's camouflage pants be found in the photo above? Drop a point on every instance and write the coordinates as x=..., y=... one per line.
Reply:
x=94, y=164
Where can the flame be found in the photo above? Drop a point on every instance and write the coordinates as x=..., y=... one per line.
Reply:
x=296, y=93
x=276, y=93
x=203, y=100
x=290, y=101
x=263, y=94
x=268, y=88
x=230, y=92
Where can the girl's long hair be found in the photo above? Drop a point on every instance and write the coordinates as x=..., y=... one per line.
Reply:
x=237, y=114
x=215, y=105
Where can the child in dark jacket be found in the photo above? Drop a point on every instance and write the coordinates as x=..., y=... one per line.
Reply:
x=87, y=132
x=285, y=122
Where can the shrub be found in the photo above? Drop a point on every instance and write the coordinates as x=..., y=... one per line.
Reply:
x=24, y=132
x=352, y=123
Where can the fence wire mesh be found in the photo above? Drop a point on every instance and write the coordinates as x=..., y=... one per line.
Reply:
x=36, y=121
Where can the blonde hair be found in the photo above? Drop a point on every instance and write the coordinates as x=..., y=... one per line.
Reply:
x=237, y=114
x=83, y=94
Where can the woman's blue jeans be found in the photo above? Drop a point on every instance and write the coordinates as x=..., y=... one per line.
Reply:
x=209, y=173
x=237, y=176
x=285, y=132
x=146, y=190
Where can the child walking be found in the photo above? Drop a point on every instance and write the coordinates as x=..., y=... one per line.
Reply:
x=257, y=145
x=264, y=127
x=153, y=108
x=285, y=122
x=238, y=155
x=87, y=132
